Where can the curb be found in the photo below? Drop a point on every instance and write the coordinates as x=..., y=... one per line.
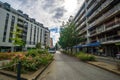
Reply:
x=104, y=69
x=34, y=77
x=42, y=71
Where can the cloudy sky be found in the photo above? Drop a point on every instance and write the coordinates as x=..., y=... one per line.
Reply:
x=49, y=12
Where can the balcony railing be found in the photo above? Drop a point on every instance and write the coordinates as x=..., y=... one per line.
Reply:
x=20, y=23
x=110, y=38
x=106, y=15
x=89, y=2
x=95, y=3
x=106, y=27
x=106, y=3
x=100, y=29
x=93, y=32
x=79, y=24
x=81, y=31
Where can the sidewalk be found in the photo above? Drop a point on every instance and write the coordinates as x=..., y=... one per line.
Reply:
x=108, y=58
x=107, y=63
x=106, y=66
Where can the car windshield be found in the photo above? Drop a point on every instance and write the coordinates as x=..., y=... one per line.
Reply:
x=52, y=49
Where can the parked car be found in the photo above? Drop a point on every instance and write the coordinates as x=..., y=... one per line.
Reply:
x=52, y=50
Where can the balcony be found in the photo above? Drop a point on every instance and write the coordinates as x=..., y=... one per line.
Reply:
x=20, y=23
x=106, y=27
x=83, y=25
x=95, y=3
x=108, y=14
x=100, y=29
x=80, y=15
x=112, y=38
x=89, y=2
x=82, y=21
x=93, y=32
x=105, y=4
x=82, y=31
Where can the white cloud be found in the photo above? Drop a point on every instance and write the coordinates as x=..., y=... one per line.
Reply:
x=55, y=37
x=49, y=12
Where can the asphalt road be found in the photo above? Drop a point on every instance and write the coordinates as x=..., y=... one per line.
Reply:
x=68, y=68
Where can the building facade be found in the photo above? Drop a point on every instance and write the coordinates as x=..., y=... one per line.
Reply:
x=51, y=43
x=98, y=22
x=33, y=32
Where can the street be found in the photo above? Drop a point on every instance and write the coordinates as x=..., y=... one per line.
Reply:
x=68, y=68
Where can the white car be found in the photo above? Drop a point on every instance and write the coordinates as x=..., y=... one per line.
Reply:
x=52, y=50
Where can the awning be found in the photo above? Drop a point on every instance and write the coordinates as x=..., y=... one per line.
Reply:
x=86, y=45
x=92, y=44
x=95, y=44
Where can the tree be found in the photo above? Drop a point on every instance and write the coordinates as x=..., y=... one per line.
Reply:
x=69, y=36
x=17, y=40
x=38, y=45
x=56, y=46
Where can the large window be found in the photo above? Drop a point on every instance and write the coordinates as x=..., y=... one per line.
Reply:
x=5, y=29
x=34, y=34
x=37, y=34
x=31, y=34
x=41, y=35
x=12, y=28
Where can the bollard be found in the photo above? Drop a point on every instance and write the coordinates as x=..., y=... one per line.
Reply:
x=19, y=71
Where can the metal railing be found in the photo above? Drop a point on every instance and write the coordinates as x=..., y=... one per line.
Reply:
x=106, y=3
x=104, y=28
x=110, y=38
x=109, y=13
x=18, y=69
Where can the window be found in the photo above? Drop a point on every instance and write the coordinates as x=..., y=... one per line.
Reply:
x=37, y=34
x=5, y=29
x=12, y=28
x=34, y=34
x=41, y=35
x=31, y=34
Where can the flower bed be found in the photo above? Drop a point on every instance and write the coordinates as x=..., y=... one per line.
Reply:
x=31, y=61
x=8, y=56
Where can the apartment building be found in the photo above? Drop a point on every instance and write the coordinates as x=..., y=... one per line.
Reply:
x=33, y=32
x=98, y=22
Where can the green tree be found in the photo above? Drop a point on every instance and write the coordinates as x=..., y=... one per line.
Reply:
x=69, y=36
x=56, y=46
x=17, y=40
x=38, y=45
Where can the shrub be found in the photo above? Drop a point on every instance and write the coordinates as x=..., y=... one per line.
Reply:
x=6, y=56
x=85, y=57
x=32, y=60
x=32, y=53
